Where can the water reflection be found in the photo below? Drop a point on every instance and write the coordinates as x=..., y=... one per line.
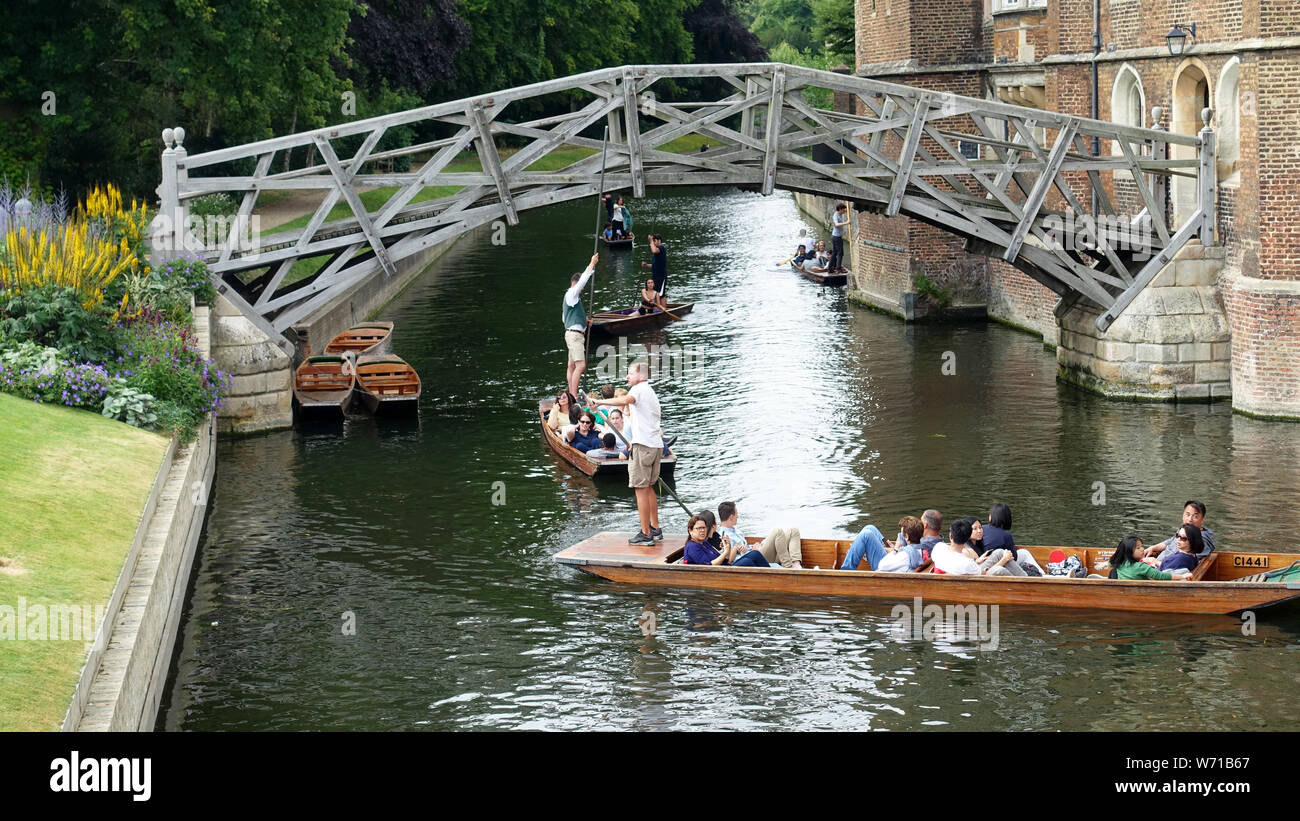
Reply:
x=804, y=410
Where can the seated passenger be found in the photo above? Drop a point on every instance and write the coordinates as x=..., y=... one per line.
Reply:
x=820, y=261
x=564, y=412
x=602, y=416
x=1190, y=544
x=885, y=556
x=1193, y=514
x=996, y=535
x=699, y=551
x=584, y=436
x=1126, y=563
x=782, y=546
x=649, y=298
x=958, y=557
x=608, y=449
x=932, y=520
x=609, y=231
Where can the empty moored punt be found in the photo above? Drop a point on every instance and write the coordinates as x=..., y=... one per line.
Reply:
x=592, y=467
x=619, y=323
x=823, y=278
x=323, y=386
x=1224, y=582
x=368, y=337
x=387, y=383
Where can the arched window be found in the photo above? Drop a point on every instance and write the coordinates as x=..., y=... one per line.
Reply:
x=1227, y=123
x=1127, y=101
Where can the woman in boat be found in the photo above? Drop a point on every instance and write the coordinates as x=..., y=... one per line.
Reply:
x=1190, y=543
x=564, y=413
x=649, y=298
x=1126, y=563
x=698, y=550
x=820, y=263
x=584, y=436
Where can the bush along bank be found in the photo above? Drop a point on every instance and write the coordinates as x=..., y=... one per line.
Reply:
x=85, y=323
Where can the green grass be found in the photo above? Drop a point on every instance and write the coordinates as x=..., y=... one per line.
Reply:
x=73, y=486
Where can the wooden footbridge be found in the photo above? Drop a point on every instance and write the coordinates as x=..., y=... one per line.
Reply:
x=1003, y=177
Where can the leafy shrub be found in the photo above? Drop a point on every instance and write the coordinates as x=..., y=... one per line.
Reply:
x=129, y=405
x=56, y=316
x=927, y=288
x=166, y=290
x=42, y=375
x=213, y=205
x=161, y=358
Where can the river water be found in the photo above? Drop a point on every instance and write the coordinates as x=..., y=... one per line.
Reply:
x=398, y=575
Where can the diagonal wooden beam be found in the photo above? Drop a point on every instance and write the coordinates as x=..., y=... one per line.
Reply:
x=354, y=202
x=774, y=120
x=1039, y=193
x=491, y=161
x=632, y=119
x=907, y=157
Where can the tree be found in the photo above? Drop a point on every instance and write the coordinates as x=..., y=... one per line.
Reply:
x=781, y=21
x=833, y=26
x=720, y=34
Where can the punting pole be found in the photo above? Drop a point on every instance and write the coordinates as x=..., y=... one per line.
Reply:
x=595, y=242
x=666, y=486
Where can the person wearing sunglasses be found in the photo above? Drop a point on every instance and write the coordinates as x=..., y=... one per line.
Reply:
x=584, y=437
x=564, y=413
x=1190, y=544
x=697, y=549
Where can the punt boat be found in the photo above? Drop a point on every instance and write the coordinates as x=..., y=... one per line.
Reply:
x=620, y=323
x=323, y=386
x=387, y=383
x=618, y=243
x=367, y=337
x=588, y=465
x=1224, y=583
x=821, y=279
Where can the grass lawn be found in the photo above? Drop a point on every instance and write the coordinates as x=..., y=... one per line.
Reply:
x=73, y=486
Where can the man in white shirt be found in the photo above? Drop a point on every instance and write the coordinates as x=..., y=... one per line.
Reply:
x=644, y=433
x=574, y=317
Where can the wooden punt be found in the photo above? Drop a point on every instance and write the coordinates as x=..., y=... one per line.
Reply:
x=365, y=338
x=580, y=461
x=630, y=242
x=387, y=383
x=1212, y=590
x=323, y=386
x=626, y=321
x=822, y=279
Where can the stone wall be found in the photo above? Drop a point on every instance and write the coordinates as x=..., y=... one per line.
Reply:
x=1171, y=344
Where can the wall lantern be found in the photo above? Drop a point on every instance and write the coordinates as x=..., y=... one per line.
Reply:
x=1177, y=38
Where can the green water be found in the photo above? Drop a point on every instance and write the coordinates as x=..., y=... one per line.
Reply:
x=805, y=410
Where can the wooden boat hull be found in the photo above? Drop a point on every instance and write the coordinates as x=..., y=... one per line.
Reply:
x=833, y=280
x=387, y=384
x=322, y=389
x=608, y=556
x=578, y=460
x=626, y=321
x=362, y=339
x=618, y=243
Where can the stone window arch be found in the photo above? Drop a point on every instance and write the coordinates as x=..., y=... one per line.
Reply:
x=1227, y=123
x=1128, y=101
x=1191, y=92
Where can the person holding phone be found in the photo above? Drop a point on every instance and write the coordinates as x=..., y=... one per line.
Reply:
x=698, y=550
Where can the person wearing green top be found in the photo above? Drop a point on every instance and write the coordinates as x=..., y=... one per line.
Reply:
x=1127, y=564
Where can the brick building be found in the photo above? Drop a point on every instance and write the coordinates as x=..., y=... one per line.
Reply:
x=1243, y=62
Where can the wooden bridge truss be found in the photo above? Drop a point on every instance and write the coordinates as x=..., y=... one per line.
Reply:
x=1004, y=177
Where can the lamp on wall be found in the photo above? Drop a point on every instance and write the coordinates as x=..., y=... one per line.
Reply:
x=1177, y=38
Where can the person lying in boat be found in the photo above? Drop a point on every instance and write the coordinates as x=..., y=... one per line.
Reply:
x=608, y=449
x=782, y=546
x=901, y=556
x=1126, y=563
x=649, y=298
x=584, y=436
x=1193, y=514
x=958, y=558
x=564, y=413
x=697, y=549
x=1190, y=544
x=986, y=539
